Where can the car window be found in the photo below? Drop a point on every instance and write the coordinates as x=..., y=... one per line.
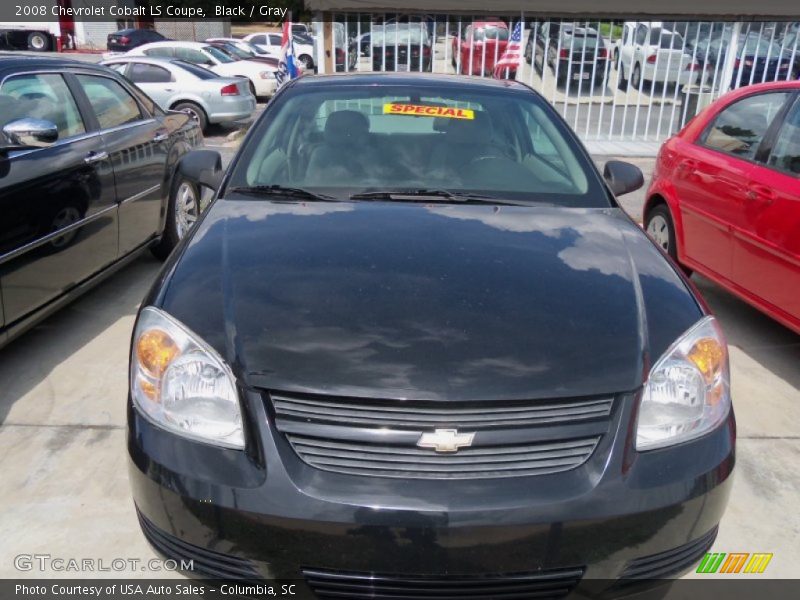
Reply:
x=259, y=39
x=196, y=70
x=785, y=154
x=218, y=54
x=118, y=67
x=740, y=128
x=42, y=96
x=160, y=51
x=192, y=55
x=112, y=104
x=641, y=34
x=145, y=73
x=275, y=40
x=400, y=137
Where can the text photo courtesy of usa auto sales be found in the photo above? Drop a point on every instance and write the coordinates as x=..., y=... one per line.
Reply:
x=316, y=299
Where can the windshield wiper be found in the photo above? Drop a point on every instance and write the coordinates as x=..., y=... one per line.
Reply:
x=432, y=195
x=281, y=190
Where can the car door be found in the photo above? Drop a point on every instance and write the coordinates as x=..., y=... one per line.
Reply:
x=154, y=80
x=711, y=179
x=766, y=236
x=136, y=142
x=58, y=206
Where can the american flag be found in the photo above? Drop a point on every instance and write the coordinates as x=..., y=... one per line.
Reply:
x=287, y=67
x=512, y=54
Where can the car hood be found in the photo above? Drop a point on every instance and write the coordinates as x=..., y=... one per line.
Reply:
x=428, y=301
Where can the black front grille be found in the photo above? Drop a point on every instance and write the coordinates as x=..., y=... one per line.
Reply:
x=204, y=562
x=379, y=437
x=424, y=415
x=670, y=562
x=468, y=463
x=543, y=585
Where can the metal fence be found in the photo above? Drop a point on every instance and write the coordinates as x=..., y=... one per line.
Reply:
x=611, y=80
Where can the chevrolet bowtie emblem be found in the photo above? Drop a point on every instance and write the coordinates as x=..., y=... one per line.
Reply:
x=445, y=440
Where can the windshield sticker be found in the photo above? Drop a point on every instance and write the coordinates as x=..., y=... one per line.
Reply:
x=422, y=110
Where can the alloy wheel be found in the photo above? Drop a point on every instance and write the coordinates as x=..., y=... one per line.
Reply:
x=658, y=229
x=186, y=209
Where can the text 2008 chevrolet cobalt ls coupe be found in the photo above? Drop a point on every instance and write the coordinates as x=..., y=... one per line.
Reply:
x=416, y=349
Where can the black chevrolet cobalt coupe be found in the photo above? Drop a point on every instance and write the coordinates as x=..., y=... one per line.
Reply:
x=415, y=349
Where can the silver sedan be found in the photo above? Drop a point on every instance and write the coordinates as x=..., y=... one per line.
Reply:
x=179, y=85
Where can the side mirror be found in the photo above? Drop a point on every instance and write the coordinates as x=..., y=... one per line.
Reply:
x=201, y=167
x=622, y=177
x=30, y=132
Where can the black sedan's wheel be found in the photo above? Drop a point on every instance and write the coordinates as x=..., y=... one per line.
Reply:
x=636, y=78
x=182, y=213
x=195, y=111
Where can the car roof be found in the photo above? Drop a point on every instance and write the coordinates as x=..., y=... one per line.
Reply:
x=174, y=44
x=458, y=82
x=154, y=60
x=16, y=62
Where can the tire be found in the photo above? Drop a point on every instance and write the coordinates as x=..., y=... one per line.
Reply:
x=196, y=111
x=661, y=229
x=528, y=53
x=616, y=57
x=623, y=83
x=183, y=210
x=252, y=87
x=307, y=61
x=38, y=41
x=636, y=76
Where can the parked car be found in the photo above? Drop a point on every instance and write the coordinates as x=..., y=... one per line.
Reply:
x=757, y=59
x=261, y=76
x=127, y=39
x=250, y=48
x=271, y=43
x=87, y=181
x=179, y=85
x=428, y=332
x=649, y=53
x=401, y=48
x=725, y=197
x=482, y=43
x=237, y=53
x=572, y=52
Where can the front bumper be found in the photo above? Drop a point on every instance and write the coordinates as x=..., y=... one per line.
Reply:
x=622, y=514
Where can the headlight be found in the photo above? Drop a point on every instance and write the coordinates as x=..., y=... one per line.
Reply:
x=267, y=75
x=181, y=384
x=688, y=390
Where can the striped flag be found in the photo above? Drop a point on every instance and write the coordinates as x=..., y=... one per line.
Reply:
x=287, y=67
x=511, y=56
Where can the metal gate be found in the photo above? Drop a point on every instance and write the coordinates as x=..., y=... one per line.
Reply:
x=611, y=80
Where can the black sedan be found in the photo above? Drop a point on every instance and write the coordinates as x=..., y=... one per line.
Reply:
x=396, y=355
x=128, y=39
x=87, y=181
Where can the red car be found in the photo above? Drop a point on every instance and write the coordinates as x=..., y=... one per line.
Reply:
x=480, y=45
x=725, y=197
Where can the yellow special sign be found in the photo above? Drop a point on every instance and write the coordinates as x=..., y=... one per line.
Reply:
x=422, y=110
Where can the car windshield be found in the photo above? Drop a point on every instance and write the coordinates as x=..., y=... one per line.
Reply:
x=491, y=33
x=357, y=138
x=234, y=51
x=195, y=70
x=580, y=38
x=665, y=39
x=399, y=35
x=218, y=54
